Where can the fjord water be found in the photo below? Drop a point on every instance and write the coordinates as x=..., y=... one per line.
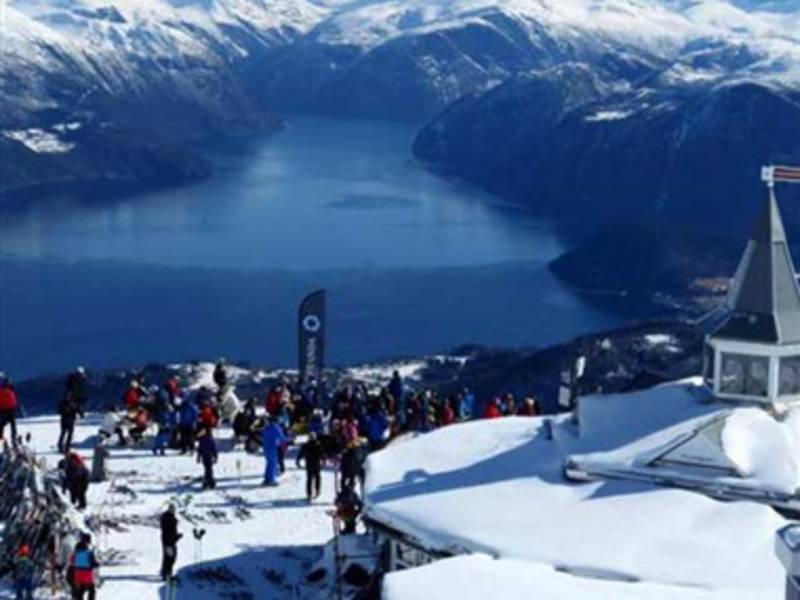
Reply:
x=413, y=263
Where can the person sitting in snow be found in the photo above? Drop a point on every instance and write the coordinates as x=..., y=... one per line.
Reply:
x=23, y=573
x=272, y=439
x=81, y=569
x=348, y=508
x=140, y=422
x=112, y=425
x=207, y=455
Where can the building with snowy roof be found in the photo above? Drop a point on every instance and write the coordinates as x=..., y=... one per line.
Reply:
x=754, y=355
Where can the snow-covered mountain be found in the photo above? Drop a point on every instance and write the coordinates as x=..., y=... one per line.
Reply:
x=411, y=59
x=96, y=92
x=163, y=71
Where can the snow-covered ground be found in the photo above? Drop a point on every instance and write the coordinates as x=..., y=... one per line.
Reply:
x=260, y=540
x=497, y=487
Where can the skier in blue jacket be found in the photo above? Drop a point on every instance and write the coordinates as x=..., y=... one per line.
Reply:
x=272, y=437
x=187, y=421
x=377, y=425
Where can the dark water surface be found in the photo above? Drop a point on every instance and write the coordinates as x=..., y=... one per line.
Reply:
x=414, y=263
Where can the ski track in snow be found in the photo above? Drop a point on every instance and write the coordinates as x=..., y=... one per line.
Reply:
x=267, y=553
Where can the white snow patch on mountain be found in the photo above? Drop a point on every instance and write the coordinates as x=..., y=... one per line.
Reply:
x=608, y=115
x=40, y=141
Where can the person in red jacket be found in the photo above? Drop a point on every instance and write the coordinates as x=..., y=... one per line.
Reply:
x=8, y=408
x=274, y=398
x=492, y=410
x=81, y=569
x=209, y=418
x=446, y=414
x=133, y=395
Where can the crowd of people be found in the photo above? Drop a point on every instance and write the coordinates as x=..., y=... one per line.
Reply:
x=335, y=430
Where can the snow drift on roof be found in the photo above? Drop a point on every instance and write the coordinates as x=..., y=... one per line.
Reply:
x=497, y=487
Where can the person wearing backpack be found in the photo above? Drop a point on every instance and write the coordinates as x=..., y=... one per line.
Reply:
x=81, y=569
x=76, y=479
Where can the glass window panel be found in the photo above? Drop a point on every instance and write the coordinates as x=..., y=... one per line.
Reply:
x=789, y=377
x=745, y=375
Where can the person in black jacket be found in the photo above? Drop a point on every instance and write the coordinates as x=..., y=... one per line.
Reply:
x=169, y=542
x=69, y=408
x=221, y=375
x=348, y=508
x=75, y=478
x=78, y=387
x=312, y=452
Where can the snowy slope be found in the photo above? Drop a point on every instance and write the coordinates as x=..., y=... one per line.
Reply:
x=252, y=531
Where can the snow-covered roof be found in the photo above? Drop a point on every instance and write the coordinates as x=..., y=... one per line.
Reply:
x=497, y=487
x=477, y=577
